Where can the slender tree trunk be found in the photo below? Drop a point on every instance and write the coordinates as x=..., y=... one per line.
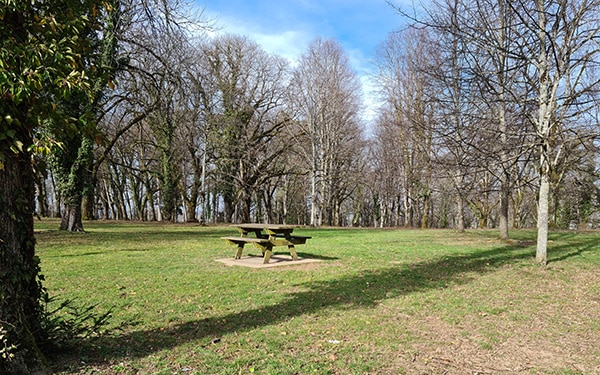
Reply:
x=150, y=202
x=89, y=197
x=505, y=178
x=168, y=187
x=407, y=208
x=542, y=225
x=504, y=201
x=20, y=287
x=543, y=131
x=42, y=198
x=504, y=160
x=460, y=214
x=89, y=205
x=203, y=201
x=228, y=209
x=426, y=208
x=313, y=199
x=285, y=200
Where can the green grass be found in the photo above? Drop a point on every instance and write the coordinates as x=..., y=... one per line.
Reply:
x=380, y=302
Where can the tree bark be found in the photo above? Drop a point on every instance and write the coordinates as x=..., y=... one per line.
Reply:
x=71, y=217
x=542, y=225
x=504, y=202
x=71, y=168
x=543, y=131
x=89, y=201
x=313, y=199
x=460, y=214
x=20, y=287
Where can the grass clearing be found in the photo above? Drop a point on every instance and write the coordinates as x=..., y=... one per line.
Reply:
x=381, y=302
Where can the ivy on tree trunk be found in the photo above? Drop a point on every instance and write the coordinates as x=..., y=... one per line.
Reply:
x=20, y=285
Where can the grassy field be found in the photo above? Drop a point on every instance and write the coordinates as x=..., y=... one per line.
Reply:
x=379, y=302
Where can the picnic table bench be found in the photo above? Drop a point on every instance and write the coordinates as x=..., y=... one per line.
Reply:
x=274, y=235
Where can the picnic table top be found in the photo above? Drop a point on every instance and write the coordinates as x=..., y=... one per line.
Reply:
x=273, y=227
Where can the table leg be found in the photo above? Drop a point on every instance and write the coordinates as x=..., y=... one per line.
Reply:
x=292, y=250
x=240, y=248
x=267, y=250
x=267, y=256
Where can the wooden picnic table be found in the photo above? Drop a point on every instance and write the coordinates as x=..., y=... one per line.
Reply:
x=266, y=236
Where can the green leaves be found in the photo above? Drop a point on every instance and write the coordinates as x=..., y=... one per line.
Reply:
x=42, y=48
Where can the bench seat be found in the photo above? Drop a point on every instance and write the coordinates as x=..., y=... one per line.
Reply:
x=264, y=244
x=294, y=236
x=238, y=240
x=281, y=240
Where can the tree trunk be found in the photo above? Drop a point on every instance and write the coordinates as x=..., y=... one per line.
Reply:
x=71, y=219
x=246, y=205
x=426, y=207
x=542, y=225
x=20, y=287
x=41, y=193
x=460, y=214
x=504, y=157
x=407, y=209
x=190, y=207
x=313, y=199
x=89, y=202
x=228, y=209
x=504, y=200
x=71, y=168
x=169, y=189
x=543, y=129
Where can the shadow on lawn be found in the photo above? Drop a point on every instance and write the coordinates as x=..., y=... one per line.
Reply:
x=363, y=290
x=570, y=250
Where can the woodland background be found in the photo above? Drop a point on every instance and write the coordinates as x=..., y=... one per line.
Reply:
x=214, y=129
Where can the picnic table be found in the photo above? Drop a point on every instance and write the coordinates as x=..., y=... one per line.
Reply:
x=265, y=237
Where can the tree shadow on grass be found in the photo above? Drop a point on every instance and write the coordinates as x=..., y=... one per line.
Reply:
x=574, y=247
x=366, y=289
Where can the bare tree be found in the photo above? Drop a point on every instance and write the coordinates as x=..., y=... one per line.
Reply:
x=481, y=92
x=325, y=93
x=409, y=96
x=246, y=117
x=388, y=173
x=560, y=47
x=536, y=58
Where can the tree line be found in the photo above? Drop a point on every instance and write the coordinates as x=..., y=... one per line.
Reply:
x=473, y=115
x=129, y=110
x=212, y=130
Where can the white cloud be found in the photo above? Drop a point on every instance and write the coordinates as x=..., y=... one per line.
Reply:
x=289, y=44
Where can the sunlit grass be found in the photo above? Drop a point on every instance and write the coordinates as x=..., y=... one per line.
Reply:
x=380, y=301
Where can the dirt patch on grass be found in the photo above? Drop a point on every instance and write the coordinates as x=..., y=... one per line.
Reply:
x=447, y=349
x=537, y=335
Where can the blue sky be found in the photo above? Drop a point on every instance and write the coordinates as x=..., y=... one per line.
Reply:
x=286, y=27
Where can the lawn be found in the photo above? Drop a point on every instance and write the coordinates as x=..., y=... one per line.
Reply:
x=379, y=302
